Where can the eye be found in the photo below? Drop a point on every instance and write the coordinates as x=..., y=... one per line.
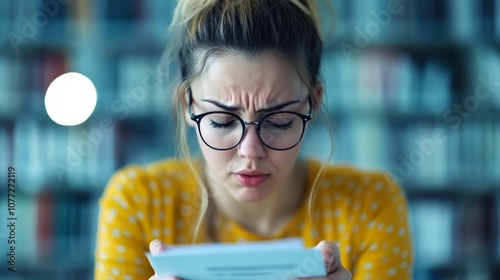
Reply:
x=279, y=122
x=220, y=125
x=282, y=126
x=223, y=122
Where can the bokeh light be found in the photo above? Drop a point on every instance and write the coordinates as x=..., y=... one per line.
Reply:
x=70, y=99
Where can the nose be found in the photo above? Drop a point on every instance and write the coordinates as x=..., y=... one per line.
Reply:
x=251, y=147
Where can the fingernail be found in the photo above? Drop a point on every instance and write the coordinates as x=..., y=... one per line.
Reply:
x=157, y=246
x=160, y=248
x=328, y=259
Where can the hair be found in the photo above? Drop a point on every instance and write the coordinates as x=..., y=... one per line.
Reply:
x=211, y=28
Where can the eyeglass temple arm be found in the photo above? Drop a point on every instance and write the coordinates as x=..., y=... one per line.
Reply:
x=190, y=102
x=310, y=105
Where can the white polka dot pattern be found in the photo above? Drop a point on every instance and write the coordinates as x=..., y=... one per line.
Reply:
x=365, y=213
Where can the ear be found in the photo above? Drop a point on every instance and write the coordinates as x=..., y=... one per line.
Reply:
x=189, y=122
x=317, y=96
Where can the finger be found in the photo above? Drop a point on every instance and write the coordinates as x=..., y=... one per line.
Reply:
x=154, y=277
x=156, y=246
x=170, y=278
x=331, y=255
x=341, y=274
x=327, y=251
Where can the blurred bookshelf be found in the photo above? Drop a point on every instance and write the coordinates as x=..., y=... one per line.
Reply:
x=413, y=87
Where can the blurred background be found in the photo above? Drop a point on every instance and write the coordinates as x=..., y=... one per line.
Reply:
x=414, y=87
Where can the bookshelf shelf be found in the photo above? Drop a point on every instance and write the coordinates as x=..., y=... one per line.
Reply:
x=392, y=93
x=415, y=44
x=395, y=118
x=453, y=191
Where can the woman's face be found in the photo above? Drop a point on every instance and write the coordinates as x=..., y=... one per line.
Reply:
x=250, y=88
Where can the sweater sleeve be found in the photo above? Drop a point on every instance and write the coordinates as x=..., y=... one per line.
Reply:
x=385, y=249
x=120, y=243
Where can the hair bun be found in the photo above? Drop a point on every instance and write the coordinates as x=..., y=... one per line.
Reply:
x=187, y=10
x=310, y=7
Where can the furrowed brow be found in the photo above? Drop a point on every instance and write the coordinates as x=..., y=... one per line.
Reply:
x=278, y=107
x=222, y=106
x=234, y=108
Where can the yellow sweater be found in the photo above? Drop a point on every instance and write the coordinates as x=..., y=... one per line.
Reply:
x=365, y=213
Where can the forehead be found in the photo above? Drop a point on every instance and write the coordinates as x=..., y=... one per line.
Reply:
x=267, y=75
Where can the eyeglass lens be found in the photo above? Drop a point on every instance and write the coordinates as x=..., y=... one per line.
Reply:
x=278, y=131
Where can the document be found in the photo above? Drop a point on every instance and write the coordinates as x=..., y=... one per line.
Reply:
x=267, y=260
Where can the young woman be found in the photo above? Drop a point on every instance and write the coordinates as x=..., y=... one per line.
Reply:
x=249, y=86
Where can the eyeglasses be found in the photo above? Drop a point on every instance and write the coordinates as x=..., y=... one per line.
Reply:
x=222, y=130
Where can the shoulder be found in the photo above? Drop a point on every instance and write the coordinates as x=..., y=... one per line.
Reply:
x=173, y=169
x=352, y=181
x=144, y=179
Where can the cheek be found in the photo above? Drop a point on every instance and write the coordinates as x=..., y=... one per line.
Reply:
x=216, y=160
x=285, y=158
x=283, y=162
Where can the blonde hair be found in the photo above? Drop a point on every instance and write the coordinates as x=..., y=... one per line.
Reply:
x=251, y=27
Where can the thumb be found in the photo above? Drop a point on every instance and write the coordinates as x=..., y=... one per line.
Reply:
x=156, y=247
x=331, y=255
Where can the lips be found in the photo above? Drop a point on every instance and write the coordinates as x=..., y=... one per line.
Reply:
x=251, y=178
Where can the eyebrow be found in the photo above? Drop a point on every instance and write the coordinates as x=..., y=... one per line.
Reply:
x=233, y=108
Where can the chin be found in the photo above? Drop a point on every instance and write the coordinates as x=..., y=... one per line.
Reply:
x=251, y=195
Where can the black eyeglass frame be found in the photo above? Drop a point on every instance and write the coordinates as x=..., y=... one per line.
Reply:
x=258, y=123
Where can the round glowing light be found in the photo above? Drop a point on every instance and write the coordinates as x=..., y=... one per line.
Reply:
x=70, y=99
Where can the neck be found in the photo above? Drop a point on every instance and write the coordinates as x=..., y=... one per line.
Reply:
x=269, y=216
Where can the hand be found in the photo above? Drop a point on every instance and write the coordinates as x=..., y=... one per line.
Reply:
x=329, y=250
x=334, y=268
x=156, y=247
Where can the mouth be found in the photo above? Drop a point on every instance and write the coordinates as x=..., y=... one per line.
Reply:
x=251, y=178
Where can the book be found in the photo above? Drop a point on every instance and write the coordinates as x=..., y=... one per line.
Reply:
x=135, y=89
x=433, y=226
x=5, y=88
x=497, y=19
x=45, y=225
x=497, y=241
x=5, y=148
x=28, y=155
